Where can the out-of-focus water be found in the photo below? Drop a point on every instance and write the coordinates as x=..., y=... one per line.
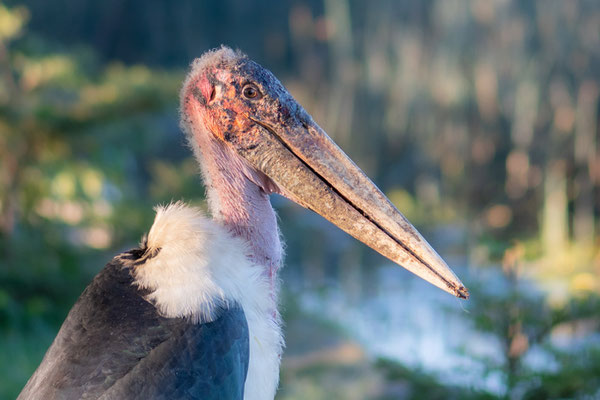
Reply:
x=396, y=315
x=409, y=320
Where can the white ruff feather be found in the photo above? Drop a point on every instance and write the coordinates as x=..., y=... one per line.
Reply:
x=200, y=266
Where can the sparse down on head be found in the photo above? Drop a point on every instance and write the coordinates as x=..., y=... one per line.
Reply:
x=233, y=106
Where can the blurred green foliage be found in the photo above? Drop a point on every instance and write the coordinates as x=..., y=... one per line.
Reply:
x=479, y=116
x=83, y=159
x=520, y=317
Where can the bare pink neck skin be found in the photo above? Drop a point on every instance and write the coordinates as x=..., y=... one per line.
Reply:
x=239, y=203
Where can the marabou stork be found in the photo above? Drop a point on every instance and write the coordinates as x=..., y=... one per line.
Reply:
x=192, y=313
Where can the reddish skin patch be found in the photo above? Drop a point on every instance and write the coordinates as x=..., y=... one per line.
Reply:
x=205, y=88
x=227, y=116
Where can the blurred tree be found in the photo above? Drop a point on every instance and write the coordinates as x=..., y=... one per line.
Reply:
x=81, y=146
x=523, y=322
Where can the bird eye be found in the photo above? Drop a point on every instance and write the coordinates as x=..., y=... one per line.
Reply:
x=251, y=92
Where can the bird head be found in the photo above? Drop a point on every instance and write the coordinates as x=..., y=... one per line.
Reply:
x=244, y=108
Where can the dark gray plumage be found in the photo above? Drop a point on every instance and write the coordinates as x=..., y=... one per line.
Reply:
x=114, y=345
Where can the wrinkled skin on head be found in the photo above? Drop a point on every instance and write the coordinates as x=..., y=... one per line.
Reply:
x=233, y=117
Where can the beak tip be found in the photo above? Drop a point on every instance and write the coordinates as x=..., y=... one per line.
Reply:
x=461, y=292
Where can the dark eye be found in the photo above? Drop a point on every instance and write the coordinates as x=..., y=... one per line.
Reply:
x=250, y=91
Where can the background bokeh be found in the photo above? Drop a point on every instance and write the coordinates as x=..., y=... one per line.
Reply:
x=478, y=118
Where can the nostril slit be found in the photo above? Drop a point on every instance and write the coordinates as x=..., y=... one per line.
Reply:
x=212, y=94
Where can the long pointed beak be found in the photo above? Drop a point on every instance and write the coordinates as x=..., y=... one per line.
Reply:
x=310, y=169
